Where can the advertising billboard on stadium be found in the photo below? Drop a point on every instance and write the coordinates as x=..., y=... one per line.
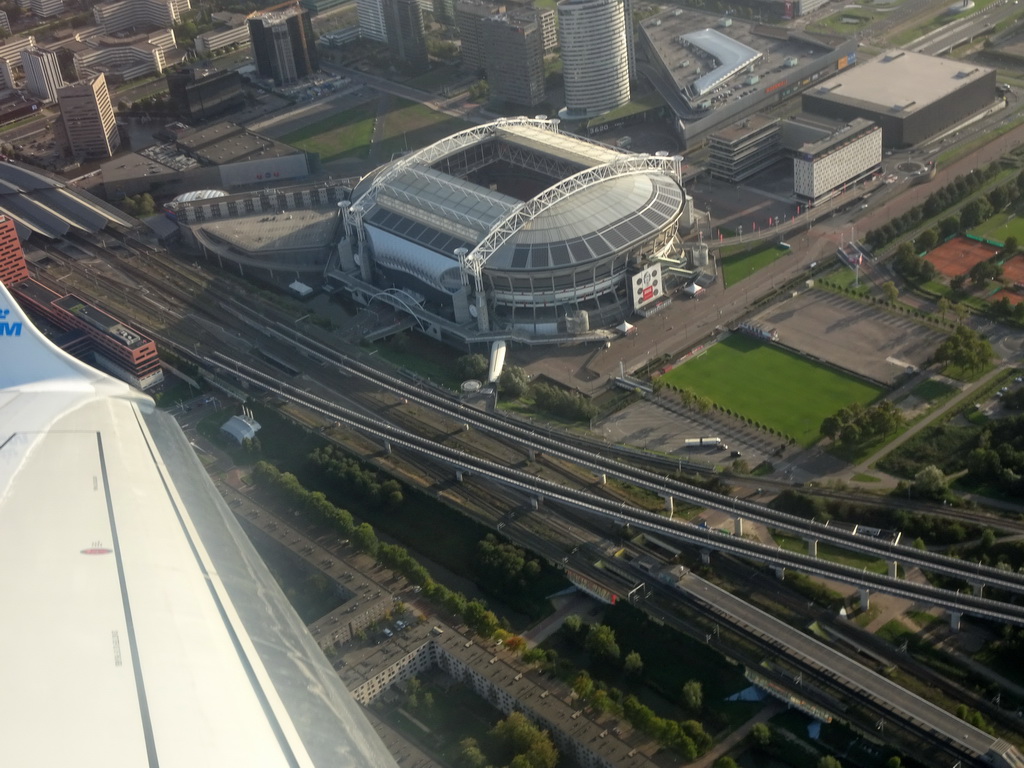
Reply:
x=647, y=286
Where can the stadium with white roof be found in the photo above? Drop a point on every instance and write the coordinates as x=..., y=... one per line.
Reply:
x=513, y=230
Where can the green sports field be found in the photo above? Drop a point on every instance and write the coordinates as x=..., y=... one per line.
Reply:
x=770, y=385
x=736, y=268
x=1002, y=226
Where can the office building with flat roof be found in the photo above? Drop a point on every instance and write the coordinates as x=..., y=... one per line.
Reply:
x=595, y=56
x=113, y=346
x=88, y=118
x=228, y=29
x=515, y=58
x=283, y=44
x=42, y=73
x=911, y=95
x=5, y=23
x=824, y=168
x=744, y=148
x=199, y=94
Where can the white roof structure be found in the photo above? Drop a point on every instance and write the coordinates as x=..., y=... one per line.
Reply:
x=241, y=428
x=141, y=627
x=732, y=56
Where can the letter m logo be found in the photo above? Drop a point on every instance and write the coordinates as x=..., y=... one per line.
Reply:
x=10, y=329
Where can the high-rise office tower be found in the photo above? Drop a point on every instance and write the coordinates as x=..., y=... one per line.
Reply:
x=42, y=73
x=88, y=118
x=283, y=44
x=469, y=18
x=407, y=32
x=514, y=45
x=595, y=56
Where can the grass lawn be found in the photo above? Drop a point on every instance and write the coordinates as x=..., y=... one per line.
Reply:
x=436, y=79
x=346, y=134
x=845, y=278
x=409, y=125
x=736, y=268
x=846, y=21
x=770, y=385
x=933, y=390
x=831, y=554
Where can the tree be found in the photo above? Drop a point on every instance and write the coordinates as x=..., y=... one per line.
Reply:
x=948, y=227
x=926, y=240
x=965, y=348
x=893, y=762
x=829, y=762
x=514, y=382
x=633, y=665
x=583, y=685
x=365, y=540
x=471, y=367
x=600, y=642
x=726, y=762
x=931, y=482
x=693, y=696
x=470, y=755
x=890, y=292
x=1011, y=245
x=943, y=305
x=573, y=623
x=970, y=215
x=526, y=741
x=761, y=734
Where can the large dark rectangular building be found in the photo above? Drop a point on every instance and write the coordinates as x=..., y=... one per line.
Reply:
x=911, y=95
x=199, y=94
x=283, y=44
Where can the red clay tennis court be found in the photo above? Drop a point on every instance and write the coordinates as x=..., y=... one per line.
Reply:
x=957, y=256
x=1013, y=270
x=1015, y=298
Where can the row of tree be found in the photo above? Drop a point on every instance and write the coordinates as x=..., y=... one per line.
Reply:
x=349, y=475
x=950, y=195
x=688, y=738
x=290, y=492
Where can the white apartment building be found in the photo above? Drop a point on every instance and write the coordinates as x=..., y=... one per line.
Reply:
x=372, y=25
x=5, y=23
x=137, y=57
x=826, y=167
x=42, y=73
x=124, y=14
x=44, y=9
x=595, y=56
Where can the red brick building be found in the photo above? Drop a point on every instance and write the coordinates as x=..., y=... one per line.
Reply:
x=13, y=268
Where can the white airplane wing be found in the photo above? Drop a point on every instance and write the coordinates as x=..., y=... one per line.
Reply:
x=139, y=626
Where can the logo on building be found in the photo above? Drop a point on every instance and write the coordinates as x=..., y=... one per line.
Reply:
x=8, y=329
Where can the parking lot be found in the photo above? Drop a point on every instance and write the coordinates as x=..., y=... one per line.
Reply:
x=853, y=335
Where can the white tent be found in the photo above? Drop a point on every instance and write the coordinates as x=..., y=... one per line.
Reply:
x=625, y=328
x=241, y=427
x=693, y=290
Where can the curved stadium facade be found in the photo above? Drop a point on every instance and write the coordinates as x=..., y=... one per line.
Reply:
x=511, y=229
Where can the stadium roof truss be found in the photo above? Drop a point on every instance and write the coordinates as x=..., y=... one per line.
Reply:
x=624, y=165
